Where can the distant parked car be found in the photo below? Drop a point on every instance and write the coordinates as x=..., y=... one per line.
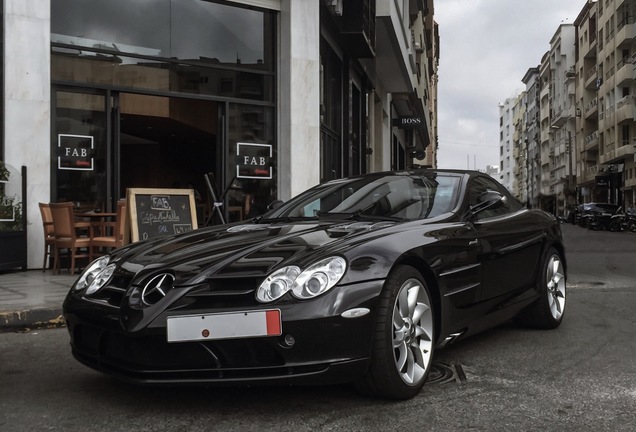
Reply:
x=598, y=215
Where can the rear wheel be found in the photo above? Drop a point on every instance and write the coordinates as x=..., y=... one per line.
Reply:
x=547, y=311
x=404, y=339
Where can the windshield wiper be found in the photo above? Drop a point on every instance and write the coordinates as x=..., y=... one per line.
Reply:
x=263, y=219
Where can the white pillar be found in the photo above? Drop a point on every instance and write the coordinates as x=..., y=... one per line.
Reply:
x=299, y=103
x=27, y=105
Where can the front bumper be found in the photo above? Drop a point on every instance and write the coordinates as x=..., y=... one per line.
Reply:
x=327, y=348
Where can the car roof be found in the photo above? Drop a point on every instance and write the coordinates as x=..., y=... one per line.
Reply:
x=426, y=171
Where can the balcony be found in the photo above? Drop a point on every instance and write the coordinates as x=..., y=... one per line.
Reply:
x=590, y=78
x=591, y=141
x=591, y=109
x=590, y=50
x=625, y=109
x=561, y=116
x=625, y=71
x=613, y=154
x=626, y=31
x=358, y=28
x=392, y=48
x=587, y=175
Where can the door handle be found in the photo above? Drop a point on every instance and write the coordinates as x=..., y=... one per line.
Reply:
x=473, y=242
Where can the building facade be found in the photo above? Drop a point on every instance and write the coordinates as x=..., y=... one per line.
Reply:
x=587, y=111
x=604, y=116
x=269, y=96
x=562, y=116
x=532, y=129
x=506, y=148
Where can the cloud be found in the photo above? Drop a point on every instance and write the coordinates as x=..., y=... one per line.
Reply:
x=487, y=46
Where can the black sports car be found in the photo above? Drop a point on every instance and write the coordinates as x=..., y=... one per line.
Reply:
x=355, y=280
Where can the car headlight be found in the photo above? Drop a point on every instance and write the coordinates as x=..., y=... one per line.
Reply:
x=315, y=280
x=95, y=276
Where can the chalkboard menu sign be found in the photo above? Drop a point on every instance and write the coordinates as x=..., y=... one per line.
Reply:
x=160, y=212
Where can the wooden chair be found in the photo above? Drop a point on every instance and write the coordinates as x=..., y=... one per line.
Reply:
x=67, y=235
x=110, y=235
x=49, y=233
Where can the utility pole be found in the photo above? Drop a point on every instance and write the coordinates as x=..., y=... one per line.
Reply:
x=570, y=179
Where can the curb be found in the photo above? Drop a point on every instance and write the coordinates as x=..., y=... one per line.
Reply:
x=42, y=318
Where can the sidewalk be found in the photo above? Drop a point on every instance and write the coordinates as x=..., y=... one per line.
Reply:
x=32, y=299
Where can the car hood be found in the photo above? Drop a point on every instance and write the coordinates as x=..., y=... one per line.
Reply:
x=252, y=249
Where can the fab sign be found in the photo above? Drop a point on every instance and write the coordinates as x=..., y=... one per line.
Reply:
x=75, y=152
x=254, y=161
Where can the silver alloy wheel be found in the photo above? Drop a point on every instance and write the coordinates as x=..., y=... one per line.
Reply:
x=412, y=331
x=556, y=286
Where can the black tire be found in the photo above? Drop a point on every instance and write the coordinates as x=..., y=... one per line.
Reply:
x=548, y=310
x=405, y=319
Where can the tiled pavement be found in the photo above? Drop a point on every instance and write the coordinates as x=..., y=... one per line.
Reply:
x=32, y=299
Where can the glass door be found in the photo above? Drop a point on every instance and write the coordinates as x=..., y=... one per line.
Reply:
x=167, y=142
x=81, y=151
x=106, y=142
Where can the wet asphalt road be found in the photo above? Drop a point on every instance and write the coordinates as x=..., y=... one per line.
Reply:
x=580, y=377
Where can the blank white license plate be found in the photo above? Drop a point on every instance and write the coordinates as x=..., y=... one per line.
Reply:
x=224, y=326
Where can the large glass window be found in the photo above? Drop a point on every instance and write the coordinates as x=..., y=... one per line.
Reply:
x=177, y=29
x=152, y=57
x=188, y=46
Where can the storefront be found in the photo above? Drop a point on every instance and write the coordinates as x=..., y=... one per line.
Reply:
x=158, y=94
x=270, y=97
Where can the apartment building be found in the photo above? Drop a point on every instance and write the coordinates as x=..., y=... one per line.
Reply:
x=562, y=115
x=506, y=155
x=531, y=137
x=519, y=149
x=546, y=191
x=586, y=134
x=605, y=96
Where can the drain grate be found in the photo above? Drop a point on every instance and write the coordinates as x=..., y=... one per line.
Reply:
x=442, y=373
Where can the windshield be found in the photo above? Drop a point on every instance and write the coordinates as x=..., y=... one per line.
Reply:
x=390, y=197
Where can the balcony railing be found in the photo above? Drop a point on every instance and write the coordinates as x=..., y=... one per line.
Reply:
x=591, y=107
x=591, y=140
x=591, y=73
x=626, y=109
x=624, y=70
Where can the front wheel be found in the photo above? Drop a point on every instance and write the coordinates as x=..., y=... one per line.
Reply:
x=404, y=338
x=547, y=311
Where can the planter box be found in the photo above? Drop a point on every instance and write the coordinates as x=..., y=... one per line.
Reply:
x=13, y=252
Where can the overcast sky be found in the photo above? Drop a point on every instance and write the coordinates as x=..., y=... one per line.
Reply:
x=487, y=46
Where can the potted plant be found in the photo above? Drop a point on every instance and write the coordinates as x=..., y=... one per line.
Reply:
x=4, y=173
x=10, y=213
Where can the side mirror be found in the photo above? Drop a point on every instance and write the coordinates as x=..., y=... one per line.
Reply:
x=487, y=201
x=274, y=204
